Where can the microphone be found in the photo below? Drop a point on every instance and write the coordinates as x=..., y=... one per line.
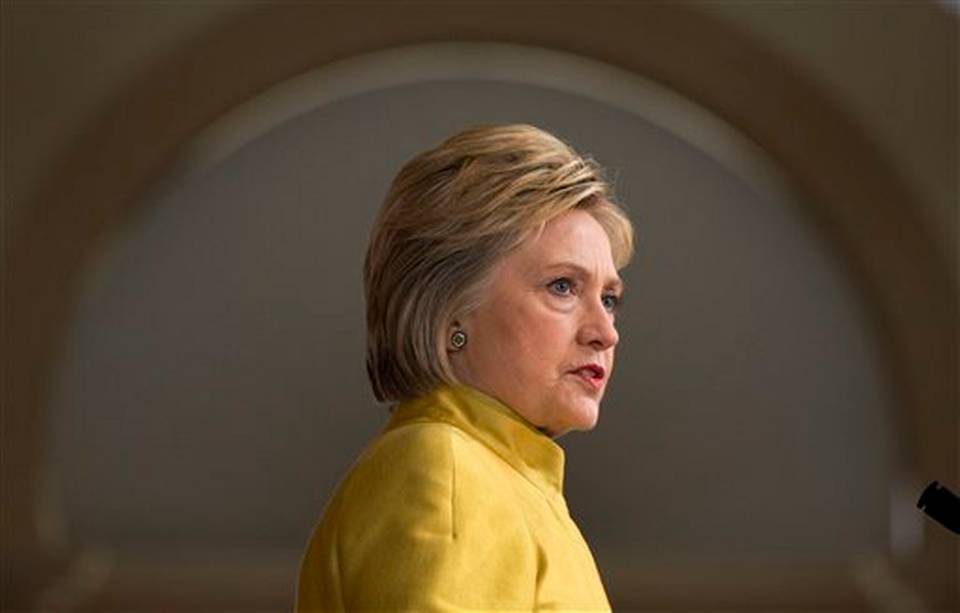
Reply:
x=942, y=505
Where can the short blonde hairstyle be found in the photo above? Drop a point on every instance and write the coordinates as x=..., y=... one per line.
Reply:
x=451, y=213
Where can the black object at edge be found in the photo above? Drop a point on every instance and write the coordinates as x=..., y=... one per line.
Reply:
x=942, y=505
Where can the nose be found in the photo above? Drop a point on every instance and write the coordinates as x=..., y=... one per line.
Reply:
x=597, y=328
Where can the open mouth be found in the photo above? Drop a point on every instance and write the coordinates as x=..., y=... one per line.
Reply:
x=591, y=374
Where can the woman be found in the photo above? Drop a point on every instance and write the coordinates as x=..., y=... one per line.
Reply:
x=491, y=286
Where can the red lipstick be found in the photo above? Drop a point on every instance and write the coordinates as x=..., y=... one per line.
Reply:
x=591, y=374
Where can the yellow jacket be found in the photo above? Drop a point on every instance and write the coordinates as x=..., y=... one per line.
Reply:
x=457, y=504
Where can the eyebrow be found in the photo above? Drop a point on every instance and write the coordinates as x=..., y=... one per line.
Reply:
x=613, y=282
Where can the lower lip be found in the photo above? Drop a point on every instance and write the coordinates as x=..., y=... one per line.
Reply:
x=592, y=383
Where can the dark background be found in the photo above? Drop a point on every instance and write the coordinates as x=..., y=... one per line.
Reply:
x=187, y=191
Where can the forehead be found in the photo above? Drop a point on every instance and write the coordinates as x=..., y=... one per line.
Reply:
x=572, y=240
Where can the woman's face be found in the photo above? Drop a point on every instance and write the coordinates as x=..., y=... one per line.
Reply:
x=549, y=311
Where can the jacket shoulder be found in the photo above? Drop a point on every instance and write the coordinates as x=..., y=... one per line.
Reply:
x=428, y=472
x=409, y=468
x=423, y=522
x=412, y=443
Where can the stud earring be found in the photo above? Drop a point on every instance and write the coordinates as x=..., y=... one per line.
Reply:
x=458, y=339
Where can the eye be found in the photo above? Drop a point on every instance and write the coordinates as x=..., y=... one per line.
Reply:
x=563, y=285
x=612, y=302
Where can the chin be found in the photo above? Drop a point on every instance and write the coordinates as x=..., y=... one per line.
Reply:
x=582, y=418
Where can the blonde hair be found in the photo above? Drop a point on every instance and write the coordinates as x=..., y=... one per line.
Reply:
x=451, y=213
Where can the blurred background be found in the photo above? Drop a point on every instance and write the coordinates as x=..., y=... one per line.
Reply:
x=187, y=193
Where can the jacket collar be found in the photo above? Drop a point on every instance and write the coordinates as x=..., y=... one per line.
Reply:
x=533, y=453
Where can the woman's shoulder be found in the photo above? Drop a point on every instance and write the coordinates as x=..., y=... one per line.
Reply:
x=420, y=496
x=421, y=462
x=411, y=527
x=414, y=455
x=403, y=453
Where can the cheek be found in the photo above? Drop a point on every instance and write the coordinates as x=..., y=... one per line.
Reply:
x=541, y=338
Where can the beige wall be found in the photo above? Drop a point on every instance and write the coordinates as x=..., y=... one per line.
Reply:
x=893, y=65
